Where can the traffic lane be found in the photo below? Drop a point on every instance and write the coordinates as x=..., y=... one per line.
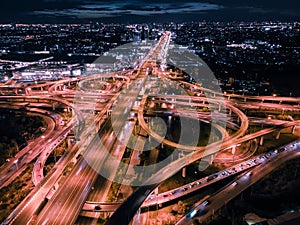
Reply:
x=71, y=208
x=69, y=186
x=31, y=203
x=60, y=203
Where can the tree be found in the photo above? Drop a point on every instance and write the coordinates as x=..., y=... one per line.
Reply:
x=181, y=207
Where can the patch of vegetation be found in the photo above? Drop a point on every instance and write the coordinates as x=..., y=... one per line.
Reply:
x=114, y=189
x=55, y=156
x=13, y=194
x=16, y=129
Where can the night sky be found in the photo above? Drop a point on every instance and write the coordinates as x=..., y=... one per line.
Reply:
x=81, y=11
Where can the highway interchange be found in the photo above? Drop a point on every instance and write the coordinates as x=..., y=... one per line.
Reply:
x=126, y=98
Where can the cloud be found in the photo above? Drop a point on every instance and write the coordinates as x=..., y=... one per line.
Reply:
x=148, y=10
x=101, y=9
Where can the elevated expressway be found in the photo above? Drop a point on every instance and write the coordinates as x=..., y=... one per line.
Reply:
x=68, y=200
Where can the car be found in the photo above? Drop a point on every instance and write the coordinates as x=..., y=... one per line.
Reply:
x=206, y=202
x=193, y=213
x=249, y=174
x=97, y=207
x=234, y=184
x=263, y=157
x=151, y=197
x=212, y=177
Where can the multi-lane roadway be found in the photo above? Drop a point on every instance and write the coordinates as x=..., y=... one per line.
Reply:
x=130, y=94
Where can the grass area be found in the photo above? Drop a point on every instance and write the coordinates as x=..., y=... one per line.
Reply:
x=55, y=156
x=22, y=129
x=102, y=221
x=114, y=189
x=65, y=173
x=14, y=193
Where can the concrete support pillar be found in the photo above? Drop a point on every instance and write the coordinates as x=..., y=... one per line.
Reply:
x=220, y=107
x=293, y=129
x=233, y=150
x=278, y=135
x=56, y=186
x=69, y=142
x=211, y=159
x=183, y=173
x=230, y=112
x=155, y=191
x=261, y=141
